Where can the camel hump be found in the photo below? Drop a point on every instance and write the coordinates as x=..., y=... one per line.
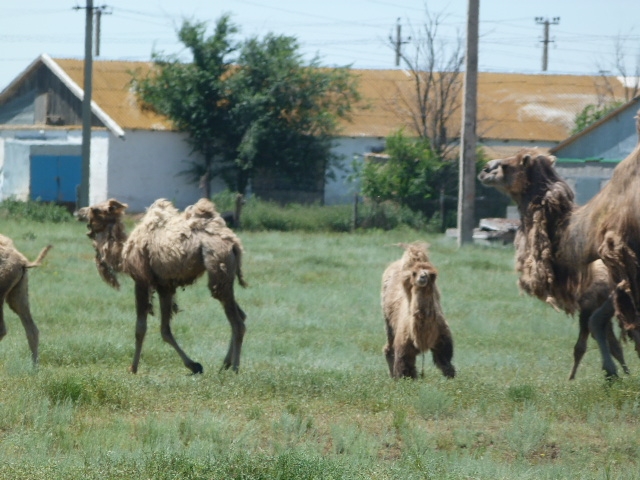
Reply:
x=41, y=255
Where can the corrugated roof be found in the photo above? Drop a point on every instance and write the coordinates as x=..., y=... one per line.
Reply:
x=113, y=93
x=511, y=106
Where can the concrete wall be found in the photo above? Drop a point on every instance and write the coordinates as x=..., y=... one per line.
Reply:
x=16, y=148
x=352, y=149
x=146, y=165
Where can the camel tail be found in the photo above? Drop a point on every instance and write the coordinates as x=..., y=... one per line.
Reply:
x=40, y=258
x=237, y=250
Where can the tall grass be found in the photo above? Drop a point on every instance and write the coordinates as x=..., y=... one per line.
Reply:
x=313, y=398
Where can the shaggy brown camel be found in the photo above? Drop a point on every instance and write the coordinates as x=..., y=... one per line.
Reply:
x=557, y=240
x=413, y=315
x=14, y=288
x=167, y=250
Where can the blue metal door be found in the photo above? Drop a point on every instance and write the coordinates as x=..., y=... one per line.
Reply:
x=55, y=178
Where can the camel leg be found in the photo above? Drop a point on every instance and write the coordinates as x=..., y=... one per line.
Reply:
x=616, y=348
x=18, y=300
x=580, y=347
x=405, y=361
x=166, y=311
x=142, y=310
x=3, y=326
x=634, y=333
x=389, y=354
x=442, y=353
x=236, y=318
x=597, y=325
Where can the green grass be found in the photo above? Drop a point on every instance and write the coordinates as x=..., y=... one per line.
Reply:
x=313, y=398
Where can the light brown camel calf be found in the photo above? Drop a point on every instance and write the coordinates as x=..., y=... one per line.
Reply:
x=413, y=315
x=167, y=250
x=14, y=288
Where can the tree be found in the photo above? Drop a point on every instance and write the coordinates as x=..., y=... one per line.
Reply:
x=412, y=175
x=435, y=68
x=287, y=112
x=263, y=110
x=193, y=95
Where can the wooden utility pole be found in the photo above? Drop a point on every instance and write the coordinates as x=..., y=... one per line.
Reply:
x=467, y=185
x=545, y=41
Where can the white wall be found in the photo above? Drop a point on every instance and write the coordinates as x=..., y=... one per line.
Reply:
x=146, y=165
x=340, y=190
x=16, y=147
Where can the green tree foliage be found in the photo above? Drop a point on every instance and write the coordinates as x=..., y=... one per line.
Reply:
x=286, y=111
x=413, y=175
x=591, y=113
x=249, y=107
x=193, y=94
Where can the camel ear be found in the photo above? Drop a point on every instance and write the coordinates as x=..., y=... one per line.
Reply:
x=552, y=159
x=116, y=207
x=82, y=214
x=526, y=160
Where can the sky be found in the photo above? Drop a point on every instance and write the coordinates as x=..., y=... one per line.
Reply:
x=338, y=32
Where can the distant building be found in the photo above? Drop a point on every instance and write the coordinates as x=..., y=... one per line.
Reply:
x=136, y=155
x=587, y=159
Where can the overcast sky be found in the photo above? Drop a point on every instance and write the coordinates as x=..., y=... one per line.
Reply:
x=344, y=32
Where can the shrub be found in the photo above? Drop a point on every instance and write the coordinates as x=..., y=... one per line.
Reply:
x=34, y=210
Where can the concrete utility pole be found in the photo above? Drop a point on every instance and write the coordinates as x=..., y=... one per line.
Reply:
x=545, y=48
x=398, y=42
x=90, y=10
x=467, y=185
x=100, y=10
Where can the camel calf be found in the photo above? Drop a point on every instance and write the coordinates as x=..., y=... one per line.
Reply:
x=14, y=288
x=413, y=317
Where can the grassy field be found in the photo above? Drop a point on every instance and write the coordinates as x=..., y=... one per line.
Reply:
x=313, y=398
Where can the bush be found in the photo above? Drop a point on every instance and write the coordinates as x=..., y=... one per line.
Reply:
x=34, y=210
x=261, y=215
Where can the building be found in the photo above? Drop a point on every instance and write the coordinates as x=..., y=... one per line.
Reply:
x=136, y=155
x=587, y=159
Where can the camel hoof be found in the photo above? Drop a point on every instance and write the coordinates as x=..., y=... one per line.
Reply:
x=196, y=368
x=133, y=369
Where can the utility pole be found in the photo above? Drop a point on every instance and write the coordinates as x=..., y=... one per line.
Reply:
x=397, y=42
x=467, y=185
x=545, y=47
x=83, y=193
x=100, y=10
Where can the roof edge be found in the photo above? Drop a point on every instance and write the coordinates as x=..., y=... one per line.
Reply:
x=596, y=124
x=79, y=92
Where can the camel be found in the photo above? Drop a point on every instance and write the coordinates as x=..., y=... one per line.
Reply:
x=413, y=316
x=14, y=288
x=558, y=240
x=166, y=250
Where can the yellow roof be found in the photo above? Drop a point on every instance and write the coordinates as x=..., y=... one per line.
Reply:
x=511, y=106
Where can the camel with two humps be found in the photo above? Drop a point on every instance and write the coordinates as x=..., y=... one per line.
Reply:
x=166, y=250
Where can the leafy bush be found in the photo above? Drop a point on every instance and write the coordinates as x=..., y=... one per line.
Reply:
x=34, y=210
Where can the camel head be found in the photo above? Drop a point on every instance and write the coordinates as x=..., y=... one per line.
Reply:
x=106, y=230
x=514, y=175
x=102, y=215
x=423, y=274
